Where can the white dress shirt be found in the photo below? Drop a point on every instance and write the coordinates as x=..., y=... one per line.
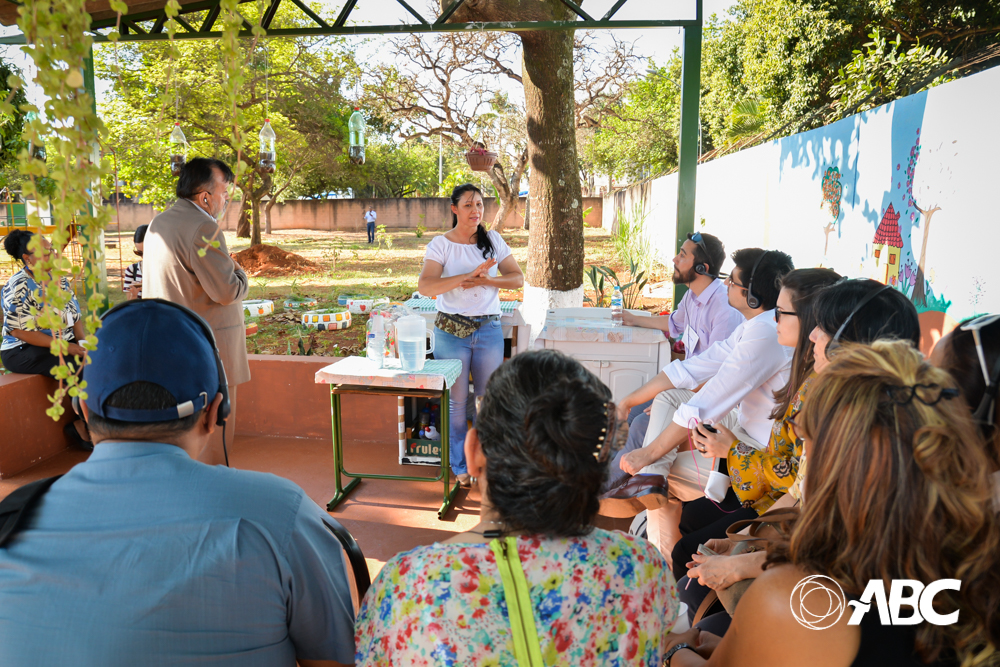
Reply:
x=742, y=371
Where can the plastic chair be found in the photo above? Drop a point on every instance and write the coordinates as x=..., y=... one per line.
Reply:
x=357, y=566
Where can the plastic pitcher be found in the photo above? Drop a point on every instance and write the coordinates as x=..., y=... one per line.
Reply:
x=411, y=336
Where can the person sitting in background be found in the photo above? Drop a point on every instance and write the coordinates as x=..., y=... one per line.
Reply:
x=851, y=311
x=971, y=353
x=897, y=487
x=132, y=281
x=144, y=556
x=26, y=348
x=590, y=596
x=703, y=316
x=744, y=370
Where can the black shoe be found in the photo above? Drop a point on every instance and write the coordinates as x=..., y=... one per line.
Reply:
x=75, y=440
x=637, y=493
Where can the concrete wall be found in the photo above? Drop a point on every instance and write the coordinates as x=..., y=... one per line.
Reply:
x=27, y=434
x=348, y=214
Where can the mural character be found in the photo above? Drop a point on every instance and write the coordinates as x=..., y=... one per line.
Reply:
x=833, y=191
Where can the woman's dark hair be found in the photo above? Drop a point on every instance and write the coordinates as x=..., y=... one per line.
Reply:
x=16, y=243
x=542, y=419
x=140, y=234
x=482, y=238
x=804, y=285
x=888, y=315
x=962, y=361
x=198, y=173
x=773, y=265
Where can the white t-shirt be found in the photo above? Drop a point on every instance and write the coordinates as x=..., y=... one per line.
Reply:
x=370, y=216
x=458, y=258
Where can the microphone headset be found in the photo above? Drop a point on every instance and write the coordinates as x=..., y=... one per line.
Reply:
x=186, y=408
x=753, y=301
x=861, y=304
x=701, y=268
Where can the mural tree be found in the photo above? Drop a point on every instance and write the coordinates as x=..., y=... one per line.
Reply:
x=833, y=192
x=919, y=296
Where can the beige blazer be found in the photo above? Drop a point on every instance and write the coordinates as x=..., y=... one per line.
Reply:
x=212, y=286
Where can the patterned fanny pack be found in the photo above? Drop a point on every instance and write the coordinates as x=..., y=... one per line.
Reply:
x=461, y=326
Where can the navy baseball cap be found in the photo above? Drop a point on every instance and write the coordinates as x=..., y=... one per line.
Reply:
x=152, y=340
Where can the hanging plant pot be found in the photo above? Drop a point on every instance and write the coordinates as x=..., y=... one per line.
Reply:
x=258, y=307
x=331, y=319
x=481, y=159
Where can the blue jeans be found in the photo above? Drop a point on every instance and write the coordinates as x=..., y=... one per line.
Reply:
x=481, y=354
x=371, y=232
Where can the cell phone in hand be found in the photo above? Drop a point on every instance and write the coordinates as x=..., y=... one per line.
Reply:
x=709, y=428
x=705, y=551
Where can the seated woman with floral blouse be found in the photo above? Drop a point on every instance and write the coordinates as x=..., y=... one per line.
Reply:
x=588, y=597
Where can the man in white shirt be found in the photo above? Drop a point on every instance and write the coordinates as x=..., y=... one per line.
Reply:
x=740, y=375
x=370, y=217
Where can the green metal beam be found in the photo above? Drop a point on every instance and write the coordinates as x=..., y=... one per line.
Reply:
x=690, y=120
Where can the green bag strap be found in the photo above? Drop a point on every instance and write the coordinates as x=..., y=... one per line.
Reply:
x=515, y=590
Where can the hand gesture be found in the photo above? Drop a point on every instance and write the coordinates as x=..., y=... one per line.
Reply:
x=630, y=319
x=715, y=572
x=713, y=444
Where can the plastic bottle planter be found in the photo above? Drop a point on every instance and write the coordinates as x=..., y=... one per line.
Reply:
x=327, y=320
x=294, y=303
x=258, y=308
x=360, y=306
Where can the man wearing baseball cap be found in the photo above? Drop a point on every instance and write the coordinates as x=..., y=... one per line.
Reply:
x=143, y=555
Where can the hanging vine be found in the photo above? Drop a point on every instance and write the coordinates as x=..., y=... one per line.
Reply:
x=58, y=44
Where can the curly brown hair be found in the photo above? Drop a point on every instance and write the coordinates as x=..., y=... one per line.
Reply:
x=900, y=489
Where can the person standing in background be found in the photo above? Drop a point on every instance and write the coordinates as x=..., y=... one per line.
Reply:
x=132, y=280
x=370, y=217
x=213, y=286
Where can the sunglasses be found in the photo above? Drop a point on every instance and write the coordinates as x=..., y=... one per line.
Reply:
x=697, y=239
x=778, y=313
x=984, y=413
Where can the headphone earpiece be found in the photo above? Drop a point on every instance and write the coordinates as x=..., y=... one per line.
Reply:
x=753, y=301
x=701, y=269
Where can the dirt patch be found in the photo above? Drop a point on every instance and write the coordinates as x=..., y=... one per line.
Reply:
x=271, y=261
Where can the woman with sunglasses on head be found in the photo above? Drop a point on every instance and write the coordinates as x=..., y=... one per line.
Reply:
x=971, y=353
x=897, y=488
x=848, y=311
x=465, y=269
x=538, y=454
x=26, y=348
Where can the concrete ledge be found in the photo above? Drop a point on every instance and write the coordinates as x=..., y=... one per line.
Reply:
x=27, y=434
x=282, y=399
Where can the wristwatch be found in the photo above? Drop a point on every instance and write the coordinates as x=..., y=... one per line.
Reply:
x=674, y=649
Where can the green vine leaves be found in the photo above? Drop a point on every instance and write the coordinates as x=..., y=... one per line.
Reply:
x=58, y=44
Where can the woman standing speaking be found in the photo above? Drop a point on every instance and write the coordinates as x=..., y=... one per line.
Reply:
x=460, y=269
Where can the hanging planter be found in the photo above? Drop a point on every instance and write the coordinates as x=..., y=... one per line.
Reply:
x=481, y=159
x=258, y=307
x=331, y=319
x=356, y=129
x=266, y=155
x=178, y=150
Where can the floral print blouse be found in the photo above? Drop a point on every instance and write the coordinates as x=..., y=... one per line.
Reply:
x=761, y=476
x=606, y=598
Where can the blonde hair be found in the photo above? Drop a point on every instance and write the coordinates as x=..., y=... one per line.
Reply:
x=898, y=487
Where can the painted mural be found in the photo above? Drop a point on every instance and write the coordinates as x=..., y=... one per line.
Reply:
x=905, y=193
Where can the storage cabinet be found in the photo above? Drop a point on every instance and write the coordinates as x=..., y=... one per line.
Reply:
x=624, y=358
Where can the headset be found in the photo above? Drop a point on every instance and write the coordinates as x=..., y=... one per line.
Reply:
x=861, y=304
x=753, y=301
x=224, y=407
x=701, y=268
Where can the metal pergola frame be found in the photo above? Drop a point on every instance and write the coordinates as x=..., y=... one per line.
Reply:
x=149, y=26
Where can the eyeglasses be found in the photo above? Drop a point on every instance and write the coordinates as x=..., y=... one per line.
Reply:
x=795, y=428
x=984, y=413
x=928, y=394
x=729, y=281
x=778, y=313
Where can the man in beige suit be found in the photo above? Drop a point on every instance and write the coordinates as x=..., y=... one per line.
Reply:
x=213, y=286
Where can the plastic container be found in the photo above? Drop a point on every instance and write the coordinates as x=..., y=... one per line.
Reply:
x=178, y=150
x=617, y=311
x=266, y=155
x=411, y=340
x=356, y=130
x=375, y=348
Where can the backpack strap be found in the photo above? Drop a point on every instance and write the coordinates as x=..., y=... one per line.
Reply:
x=15, y=508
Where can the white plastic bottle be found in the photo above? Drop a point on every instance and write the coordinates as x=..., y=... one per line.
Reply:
x=616, y=307
x=375, y=349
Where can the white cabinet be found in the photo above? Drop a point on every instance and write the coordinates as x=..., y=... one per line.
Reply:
x=624, y=358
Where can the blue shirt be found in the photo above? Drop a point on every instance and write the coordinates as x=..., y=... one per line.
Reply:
x=704, y=319
x=141, y=555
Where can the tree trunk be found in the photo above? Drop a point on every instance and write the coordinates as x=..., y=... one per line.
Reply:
x=508, y=190
x=555, y=250
x=919, y=291
x=255, y=232
x=267, y=217
x=243, y=226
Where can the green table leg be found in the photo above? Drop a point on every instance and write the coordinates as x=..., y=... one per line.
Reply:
x=449, y=494
x=340, y=492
